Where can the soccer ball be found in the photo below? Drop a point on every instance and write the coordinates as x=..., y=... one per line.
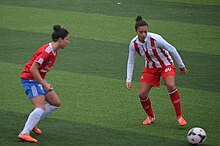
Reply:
x=196, y=136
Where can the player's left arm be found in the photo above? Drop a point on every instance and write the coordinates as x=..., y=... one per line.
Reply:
x=167, y=46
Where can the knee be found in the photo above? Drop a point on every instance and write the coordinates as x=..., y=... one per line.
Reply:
x=57, y=104
x=142, y=95
x=170, y=86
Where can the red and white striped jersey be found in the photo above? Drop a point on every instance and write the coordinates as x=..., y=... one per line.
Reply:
x=156, y=52
x=45, y=56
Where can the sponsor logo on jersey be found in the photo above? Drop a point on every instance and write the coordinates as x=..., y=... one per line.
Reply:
x=168, y=69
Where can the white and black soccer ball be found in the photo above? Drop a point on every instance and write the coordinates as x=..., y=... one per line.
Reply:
x=196, y=136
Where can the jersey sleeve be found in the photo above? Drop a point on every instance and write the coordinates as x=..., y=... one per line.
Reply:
x=167, y=46
x=130, y=63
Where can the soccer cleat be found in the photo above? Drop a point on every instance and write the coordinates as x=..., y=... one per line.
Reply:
x=149, y=120
x=181, y=121
x=27, y=137
x=36, y=130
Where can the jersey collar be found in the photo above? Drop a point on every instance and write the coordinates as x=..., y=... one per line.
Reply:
x=54, y=53
x=141, y=43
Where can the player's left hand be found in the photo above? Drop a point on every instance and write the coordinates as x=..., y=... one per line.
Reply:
x=47, y=87
x=183, y=71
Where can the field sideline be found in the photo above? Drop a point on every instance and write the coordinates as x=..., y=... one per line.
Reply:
x=89, y=74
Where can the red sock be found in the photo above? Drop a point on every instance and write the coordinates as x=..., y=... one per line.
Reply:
x=146, y=104
x=175, y=98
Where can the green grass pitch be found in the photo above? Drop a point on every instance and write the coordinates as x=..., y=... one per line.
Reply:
x=89, y=75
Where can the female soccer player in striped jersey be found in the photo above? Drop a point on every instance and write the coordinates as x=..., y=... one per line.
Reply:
x=35, y=85
x=158, y=63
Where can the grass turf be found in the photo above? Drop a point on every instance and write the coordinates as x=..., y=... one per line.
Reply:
x=89, y=75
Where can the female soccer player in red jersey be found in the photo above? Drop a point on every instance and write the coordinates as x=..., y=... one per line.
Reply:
x=35, y=85
x=158, y=63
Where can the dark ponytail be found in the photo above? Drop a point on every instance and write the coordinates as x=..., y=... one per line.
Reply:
x=59, y=32
x=140, y=22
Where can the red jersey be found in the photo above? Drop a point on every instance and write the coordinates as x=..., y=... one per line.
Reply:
x=45, y=56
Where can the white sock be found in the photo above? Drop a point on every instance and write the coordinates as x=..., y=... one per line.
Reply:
x=32, y=120
x=49, y=108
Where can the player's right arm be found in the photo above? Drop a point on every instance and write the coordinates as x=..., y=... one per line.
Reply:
x=35, y=73
x=130, y=65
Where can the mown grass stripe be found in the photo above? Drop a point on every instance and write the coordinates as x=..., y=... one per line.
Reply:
x=106, y=59
x=177, y=11
x=198, y=2
x=109, y=28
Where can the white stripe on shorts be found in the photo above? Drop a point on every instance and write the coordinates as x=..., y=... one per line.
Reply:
x=34, y=91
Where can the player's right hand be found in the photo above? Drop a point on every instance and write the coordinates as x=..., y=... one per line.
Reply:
x=128, y=85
